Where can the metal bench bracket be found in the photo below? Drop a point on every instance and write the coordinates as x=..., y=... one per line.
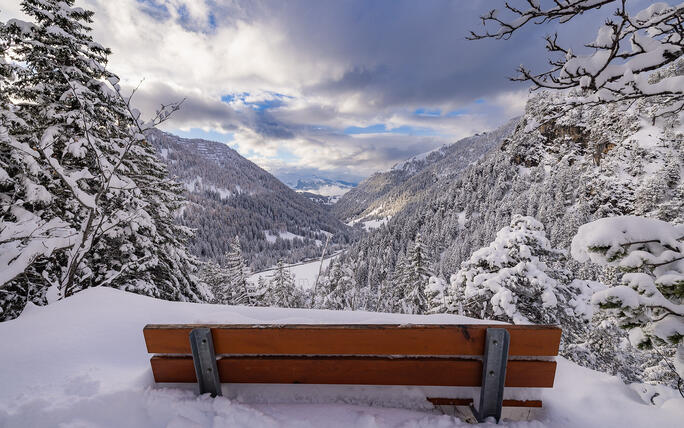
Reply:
x=493, y=375
x=204, y=358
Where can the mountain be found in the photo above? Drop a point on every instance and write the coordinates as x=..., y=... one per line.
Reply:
x=231, y=196
x=598, y=162
x=385, y=193
x=323, y=186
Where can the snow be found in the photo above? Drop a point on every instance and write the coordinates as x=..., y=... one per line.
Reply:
x=82, y=362
x=304, y=273
x=372, y=220
x=197, y=185
x=614, y=232
x=271, y=237
x=461, y=218
x=369, y=225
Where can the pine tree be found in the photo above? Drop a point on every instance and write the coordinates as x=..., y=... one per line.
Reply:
x=437, y=295
x=649, y=303
x=282, y=290
x=86, y=203
x=261, y=294
x=415, y=281
x=401, y=282
x=340, y=289
x=216, y=278
x=511, y=279
x=237, y=277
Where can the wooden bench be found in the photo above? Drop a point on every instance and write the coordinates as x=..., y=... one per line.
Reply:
x=488, y=356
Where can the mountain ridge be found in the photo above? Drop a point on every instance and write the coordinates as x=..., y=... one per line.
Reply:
x=384, y=193
x=231, y=196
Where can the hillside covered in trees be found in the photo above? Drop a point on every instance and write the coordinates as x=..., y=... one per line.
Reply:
x=230, y=196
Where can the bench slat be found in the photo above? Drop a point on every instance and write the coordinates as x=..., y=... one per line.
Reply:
x=355, y=371
x=526, y=340
x=467, y=401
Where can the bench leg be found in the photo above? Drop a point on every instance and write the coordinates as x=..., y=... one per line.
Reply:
x=493, y=375
x=204, y=358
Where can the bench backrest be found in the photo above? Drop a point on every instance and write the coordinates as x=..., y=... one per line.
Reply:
x=428, y=355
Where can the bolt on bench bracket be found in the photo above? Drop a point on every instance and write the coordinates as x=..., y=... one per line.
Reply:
x=204, y=358
x=493, y=375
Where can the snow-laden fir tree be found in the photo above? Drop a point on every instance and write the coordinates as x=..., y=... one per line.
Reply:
x=650, y=301
x=216, y=278
x=282, y=291
x=84, y=200
x=436, y=292
x=340, y=289
x=260, y=293
x=415, y=279
x=511, y=279
x=239, y=289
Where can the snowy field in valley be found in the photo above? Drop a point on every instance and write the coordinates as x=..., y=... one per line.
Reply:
x=82, y=362
x=304, y=273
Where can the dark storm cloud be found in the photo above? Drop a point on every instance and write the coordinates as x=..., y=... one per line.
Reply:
x=405, y=52
x=327, y=66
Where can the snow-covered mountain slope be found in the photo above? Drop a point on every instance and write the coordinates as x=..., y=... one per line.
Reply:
x=82, y=362
x=231, y=196
x=385, y=193
x=596, y=163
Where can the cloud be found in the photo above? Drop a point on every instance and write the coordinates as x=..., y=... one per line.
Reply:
x=286, y=79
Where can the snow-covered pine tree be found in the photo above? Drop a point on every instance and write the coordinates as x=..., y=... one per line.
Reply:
x=237, y=275
x=511, y=279
x=416, y=279
x=85, y=186
x=260, y=294
x=386, y=300
x=436, y=292
x=30, y=228
x=281, y=287
x=216, y=278
x=341, y=291
x=650, y=301
x=399, y=283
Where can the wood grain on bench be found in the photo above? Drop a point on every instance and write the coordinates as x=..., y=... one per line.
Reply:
x=382, y=339
x=355, y=371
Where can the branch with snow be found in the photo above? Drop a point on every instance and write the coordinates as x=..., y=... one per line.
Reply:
x=650, y=302
x=626, y=55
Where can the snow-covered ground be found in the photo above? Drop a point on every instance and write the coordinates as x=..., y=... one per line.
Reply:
x=82, y=362
x=304, y=273
x=271, y=237
x=374, y=221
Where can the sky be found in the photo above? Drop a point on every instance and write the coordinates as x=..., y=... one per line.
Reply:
x=337, y=89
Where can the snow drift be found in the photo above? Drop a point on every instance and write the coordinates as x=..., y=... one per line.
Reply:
x=82, y=362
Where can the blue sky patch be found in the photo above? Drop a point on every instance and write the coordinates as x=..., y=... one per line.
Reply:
x=206, y=135
x=457, y=112
x=428, y=112
x=381, y=128
x=372, y=129
x=276, y=100
x=158, y=11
